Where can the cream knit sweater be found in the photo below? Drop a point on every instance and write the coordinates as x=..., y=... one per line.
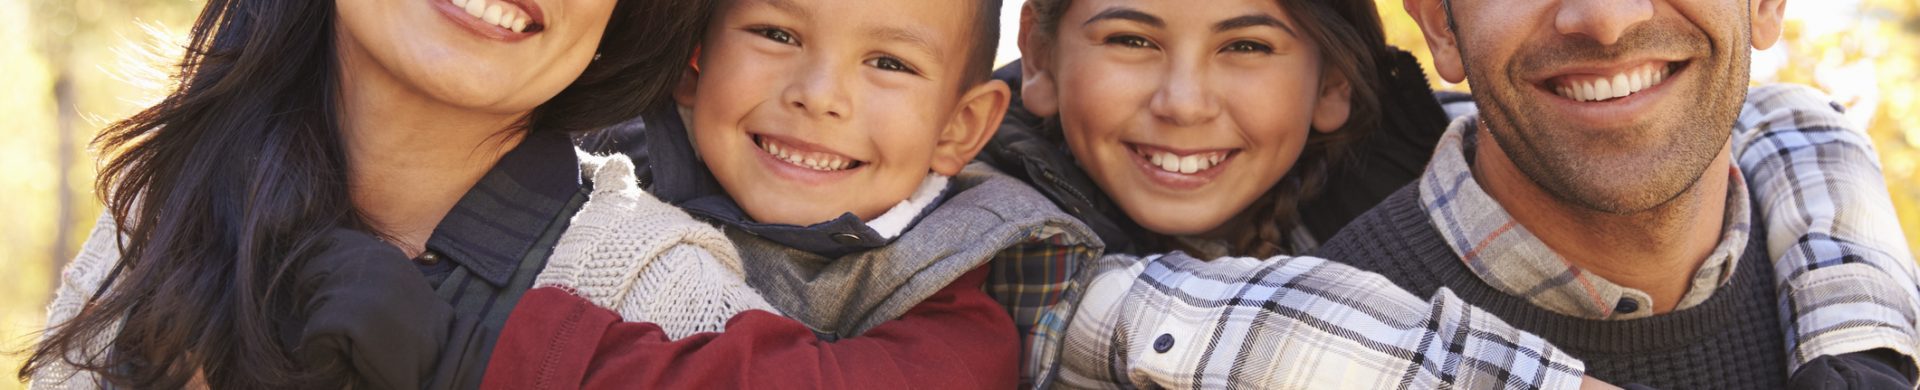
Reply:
x=625, y=250
x=646, y=259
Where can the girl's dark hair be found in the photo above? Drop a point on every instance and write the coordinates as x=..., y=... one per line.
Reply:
x=1353, y=43
x=231, y=181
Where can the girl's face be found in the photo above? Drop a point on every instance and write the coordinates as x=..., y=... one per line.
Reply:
x=511, y=57
x=1184, y=114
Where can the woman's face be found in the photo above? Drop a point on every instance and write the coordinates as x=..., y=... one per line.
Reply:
x=513, y=56
x=1185, y=115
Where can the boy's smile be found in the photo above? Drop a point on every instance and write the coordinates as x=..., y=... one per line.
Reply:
x=805, y=156
x=806, y=110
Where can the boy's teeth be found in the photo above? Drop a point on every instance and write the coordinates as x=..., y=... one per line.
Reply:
x=494, y=13
x=814, y=161
x=1184, y=164
x=1604, y=88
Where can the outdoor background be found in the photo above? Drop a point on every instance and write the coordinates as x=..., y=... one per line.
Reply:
x=71, y=66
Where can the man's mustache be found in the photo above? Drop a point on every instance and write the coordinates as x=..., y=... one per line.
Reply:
x=1647, y=40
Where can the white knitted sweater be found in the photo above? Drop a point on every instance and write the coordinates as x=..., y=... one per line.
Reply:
x=625, y=250
x=648, y=260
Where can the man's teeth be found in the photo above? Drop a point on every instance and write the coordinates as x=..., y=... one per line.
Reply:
x=1620, y=85
x=495, y=13
x=1184, y=164
x=810, y=160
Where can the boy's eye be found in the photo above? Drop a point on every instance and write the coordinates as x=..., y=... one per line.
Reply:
x=891, y=64
x=777, y=35
x=1247, y=47
x=1130, y=41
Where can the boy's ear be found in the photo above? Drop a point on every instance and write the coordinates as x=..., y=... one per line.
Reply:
x=973, y=123
x=1435, y=25
x=1334, y=104
x=1037, y=91
x=1768, y=20
x=689, y=85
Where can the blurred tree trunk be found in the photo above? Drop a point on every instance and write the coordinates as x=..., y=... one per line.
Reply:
x=65, y=152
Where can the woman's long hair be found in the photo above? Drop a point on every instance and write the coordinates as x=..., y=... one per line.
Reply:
x=229, y=183
x=1353, y=44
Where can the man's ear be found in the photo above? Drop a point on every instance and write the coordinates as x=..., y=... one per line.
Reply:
x=1435, y=25
x=1037, y=91
x=689, y=86
x=1768, y=18
x=1335, y=103
x=974, y=121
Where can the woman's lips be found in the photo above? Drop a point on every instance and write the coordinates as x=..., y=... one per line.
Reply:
x=507, y=20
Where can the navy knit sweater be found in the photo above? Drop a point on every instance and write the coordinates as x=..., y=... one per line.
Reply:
x=1734, y=340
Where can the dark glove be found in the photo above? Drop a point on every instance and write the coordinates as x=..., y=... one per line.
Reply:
x=367, y=315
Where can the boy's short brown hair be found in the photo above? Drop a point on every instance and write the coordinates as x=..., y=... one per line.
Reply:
x=986, y=44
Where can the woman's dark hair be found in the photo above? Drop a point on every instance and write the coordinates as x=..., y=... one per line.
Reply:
x=1353, y=43
x=231, y=181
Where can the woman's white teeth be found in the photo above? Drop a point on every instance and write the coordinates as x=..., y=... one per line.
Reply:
x=495, y=13
x=1620, y=85
x=1184, y=164
x=810, y=160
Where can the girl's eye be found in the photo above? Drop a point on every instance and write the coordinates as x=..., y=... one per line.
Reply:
x=777, y=35
x=891, y=64
x=1130, y=41
x=1248, y=47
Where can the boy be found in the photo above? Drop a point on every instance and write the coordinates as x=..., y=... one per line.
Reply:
x=829, y=140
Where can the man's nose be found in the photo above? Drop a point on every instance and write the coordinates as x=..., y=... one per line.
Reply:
x=1603, y=20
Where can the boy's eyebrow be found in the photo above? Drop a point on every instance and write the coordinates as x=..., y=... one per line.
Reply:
x=910, y=37
x=1128, y=14
x=1253, y=20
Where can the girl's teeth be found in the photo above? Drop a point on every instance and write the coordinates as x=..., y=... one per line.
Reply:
x=1184, y=164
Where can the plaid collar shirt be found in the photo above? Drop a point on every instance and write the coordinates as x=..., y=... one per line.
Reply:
x=1511, y=259
x=1847, y=281
x=1846, y=277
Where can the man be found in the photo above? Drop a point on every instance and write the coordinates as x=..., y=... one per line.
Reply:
x=1594, y=199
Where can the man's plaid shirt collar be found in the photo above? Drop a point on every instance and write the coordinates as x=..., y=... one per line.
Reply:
x=1514, y=261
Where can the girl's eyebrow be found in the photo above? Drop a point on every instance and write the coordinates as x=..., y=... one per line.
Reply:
x=789, y=7
x=1253, y=20
x=1127, y=14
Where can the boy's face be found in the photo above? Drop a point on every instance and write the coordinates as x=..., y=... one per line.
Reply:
x=808, y=109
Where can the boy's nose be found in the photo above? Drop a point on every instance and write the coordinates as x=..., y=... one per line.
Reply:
x=1603, y=20
x=818, y=93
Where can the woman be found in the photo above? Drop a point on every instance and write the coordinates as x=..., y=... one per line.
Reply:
x=261, y=215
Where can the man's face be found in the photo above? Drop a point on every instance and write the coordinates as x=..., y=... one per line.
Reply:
x=1617, y=106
